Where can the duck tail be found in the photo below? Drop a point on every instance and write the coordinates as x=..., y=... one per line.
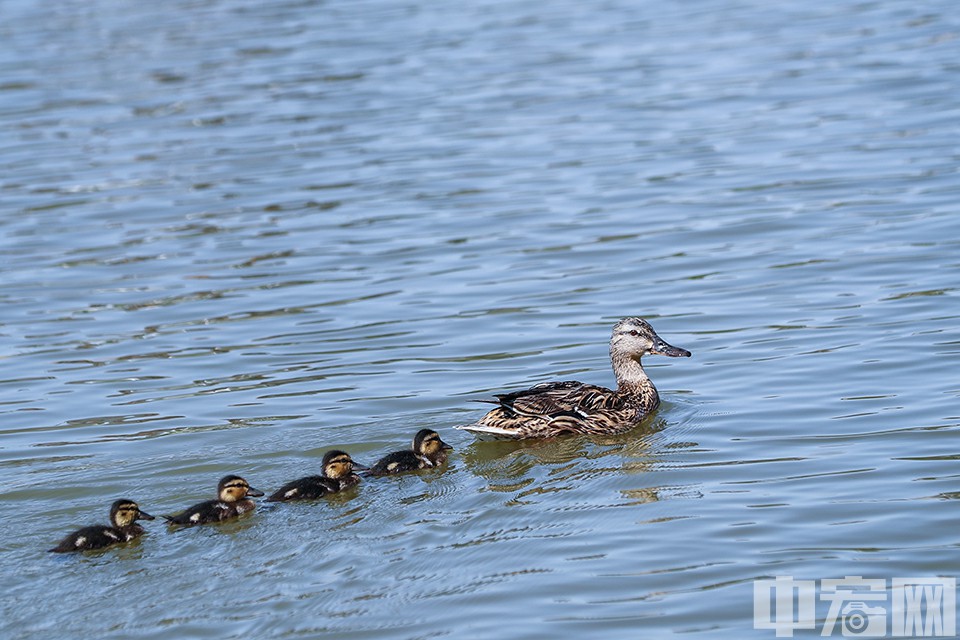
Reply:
x=484, y=430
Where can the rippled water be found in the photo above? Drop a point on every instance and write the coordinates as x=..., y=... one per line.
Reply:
x=238, y=234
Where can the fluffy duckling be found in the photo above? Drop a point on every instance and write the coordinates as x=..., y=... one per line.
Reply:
x=428, y=451
x=123, y=517
x=337, y=475
x=232, y=501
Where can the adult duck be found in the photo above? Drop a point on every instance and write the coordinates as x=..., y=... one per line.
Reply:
x=553, y=408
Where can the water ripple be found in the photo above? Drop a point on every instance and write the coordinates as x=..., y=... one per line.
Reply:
x=242, y=234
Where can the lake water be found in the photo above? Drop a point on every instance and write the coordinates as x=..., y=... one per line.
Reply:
x=238, y=234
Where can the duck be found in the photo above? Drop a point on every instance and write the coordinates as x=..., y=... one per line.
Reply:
x=123, y=528
x=428, y=450
x=338, y=474
x=553, y=408
x=232, y=501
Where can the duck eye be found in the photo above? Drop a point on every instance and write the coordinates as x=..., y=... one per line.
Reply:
x=634, y=333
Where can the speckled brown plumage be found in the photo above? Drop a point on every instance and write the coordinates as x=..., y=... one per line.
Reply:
x=554, y=408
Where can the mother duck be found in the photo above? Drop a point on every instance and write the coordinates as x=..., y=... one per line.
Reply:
x=553, y=408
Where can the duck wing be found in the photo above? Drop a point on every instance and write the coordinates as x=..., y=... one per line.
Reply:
x=554, y=399
x=203, y=513
x=553, y=408
x=95, y=537
x=396, y=462
x=309, y=488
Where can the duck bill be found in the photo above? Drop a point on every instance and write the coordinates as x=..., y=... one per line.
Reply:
x=359, y=467
x=661, y=348
x=446, y=447
x=256, y=493
x=143, y=515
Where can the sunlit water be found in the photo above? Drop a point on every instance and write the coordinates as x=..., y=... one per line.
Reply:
x=237, y=234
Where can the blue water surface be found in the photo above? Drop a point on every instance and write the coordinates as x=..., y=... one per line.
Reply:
x=238, y=234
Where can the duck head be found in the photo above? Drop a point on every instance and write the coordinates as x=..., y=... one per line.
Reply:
x=124, y=513
x=427, y=443
x=338, y=464
x=635, y=338
x=235, y=488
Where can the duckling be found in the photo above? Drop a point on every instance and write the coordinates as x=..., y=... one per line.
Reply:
x=337, y=475
x=553, y=408
x=428, y=451
x=232, y=501
x=123, y=517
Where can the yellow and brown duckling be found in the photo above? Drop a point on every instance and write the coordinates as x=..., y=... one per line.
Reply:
x=232, y=492
x=428, y=451
x=124, y=528
x=338, y=474
x=553, y=408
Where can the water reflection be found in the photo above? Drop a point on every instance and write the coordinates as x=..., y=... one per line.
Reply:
x=562, y=463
